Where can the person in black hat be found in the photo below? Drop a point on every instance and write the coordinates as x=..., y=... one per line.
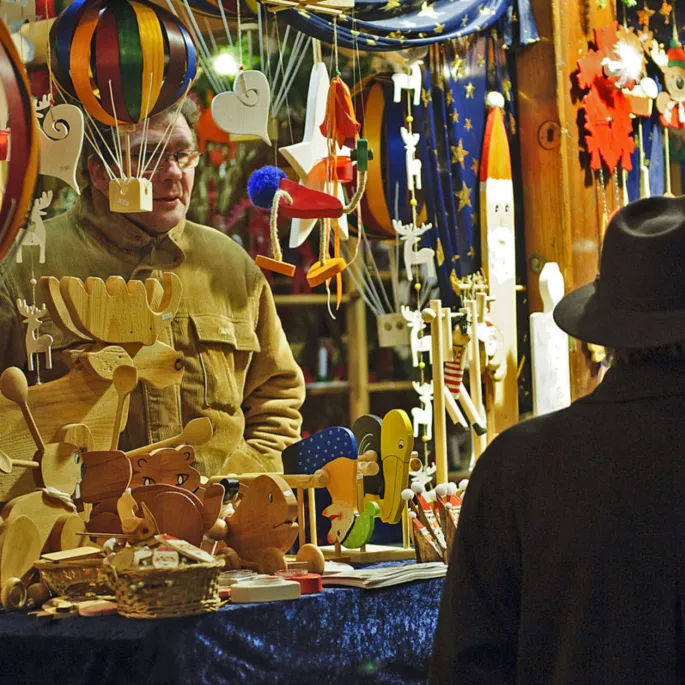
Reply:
x=569, y=562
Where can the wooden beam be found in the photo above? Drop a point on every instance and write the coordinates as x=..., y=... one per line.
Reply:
x=563, y=205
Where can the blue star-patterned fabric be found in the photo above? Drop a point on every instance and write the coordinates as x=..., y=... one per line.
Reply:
x=451, y=121
x=314, y=452
x=386, y=25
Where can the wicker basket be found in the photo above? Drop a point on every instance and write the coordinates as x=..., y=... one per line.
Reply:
x=167, y=593
x=78, y=577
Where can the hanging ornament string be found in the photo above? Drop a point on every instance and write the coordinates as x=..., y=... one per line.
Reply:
x=335, y=45
x=280, y=65
x=240, y=31
x=261, y=37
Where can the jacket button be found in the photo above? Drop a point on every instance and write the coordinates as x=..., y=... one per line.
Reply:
x=178, y=365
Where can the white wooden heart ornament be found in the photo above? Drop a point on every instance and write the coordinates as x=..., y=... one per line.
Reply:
x=61, y=140
x=245, y=111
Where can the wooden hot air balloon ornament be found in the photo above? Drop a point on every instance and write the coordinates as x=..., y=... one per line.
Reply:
x=123, y=61
x=498, y=252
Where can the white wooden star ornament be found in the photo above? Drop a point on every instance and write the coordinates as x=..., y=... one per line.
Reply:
x=303, y=156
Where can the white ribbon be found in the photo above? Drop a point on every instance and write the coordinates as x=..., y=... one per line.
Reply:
x=63, y=497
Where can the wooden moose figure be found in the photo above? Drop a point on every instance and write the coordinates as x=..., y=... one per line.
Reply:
x=118, y=325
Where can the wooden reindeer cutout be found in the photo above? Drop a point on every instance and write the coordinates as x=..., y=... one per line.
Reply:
x=35, y=344
x=423, y=415
x=410, y=81
x=35, y=233
x=410, y=235
x=413, y=164
x=419, y=343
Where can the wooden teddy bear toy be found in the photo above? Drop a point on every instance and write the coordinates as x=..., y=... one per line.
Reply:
x=164, y=480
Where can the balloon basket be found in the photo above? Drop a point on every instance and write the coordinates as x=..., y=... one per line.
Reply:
x=130, y=195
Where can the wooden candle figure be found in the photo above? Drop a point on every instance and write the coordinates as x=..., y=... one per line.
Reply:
x=549, y=347
x=498, y=250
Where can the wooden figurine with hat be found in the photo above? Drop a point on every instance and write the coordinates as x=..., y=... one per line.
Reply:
x=499, y=253
x=671, y=102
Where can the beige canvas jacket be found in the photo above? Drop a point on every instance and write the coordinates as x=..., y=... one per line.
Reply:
x=239, y=369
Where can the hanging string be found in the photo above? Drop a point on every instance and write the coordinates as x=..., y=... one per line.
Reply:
x=280, y=59
x=335, y=44
x=240, y=31
x=261, y=37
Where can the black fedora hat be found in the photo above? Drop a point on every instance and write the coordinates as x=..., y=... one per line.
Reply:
x=638, y=298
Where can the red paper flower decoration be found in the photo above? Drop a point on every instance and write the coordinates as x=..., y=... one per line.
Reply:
x=609, y=127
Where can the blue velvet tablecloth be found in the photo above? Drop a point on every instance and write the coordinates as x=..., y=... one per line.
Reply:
x=343, y=635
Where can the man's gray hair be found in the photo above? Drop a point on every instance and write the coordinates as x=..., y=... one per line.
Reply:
x=188, y=110
x=647, y=355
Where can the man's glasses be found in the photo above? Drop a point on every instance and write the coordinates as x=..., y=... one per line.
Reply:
x=184, y=159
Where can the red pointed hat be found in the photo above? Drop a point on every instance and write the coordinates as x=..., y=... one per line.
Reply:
x=676, y=56
x=308, y=203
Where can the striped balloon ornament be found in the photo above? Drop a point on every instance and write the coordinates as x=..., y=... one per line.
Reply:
x=122, y=60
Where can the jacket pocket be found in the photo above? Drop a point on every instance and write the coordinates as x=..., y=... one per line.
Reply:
x=225, y=347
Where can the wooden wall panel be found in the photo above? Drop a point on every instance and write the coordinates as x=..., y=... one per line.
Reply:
x=562, y=203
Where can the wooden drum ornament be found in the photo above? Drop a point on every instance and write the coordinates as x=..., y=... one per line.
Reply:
x=23, y=146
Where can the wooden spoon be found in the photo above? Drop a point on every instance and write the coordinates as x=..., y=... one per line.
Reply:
x=14, y=387
x=125, y=381
x=7, y=464
x=196, y=432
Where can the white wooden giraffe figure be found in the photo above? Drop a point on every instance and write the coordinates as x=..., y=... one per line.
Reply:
x=35, y=233
x=410, y=235
x=35, y=344
x=411, y=140
x=418, y=343
x=423, y=415
x=408, y=81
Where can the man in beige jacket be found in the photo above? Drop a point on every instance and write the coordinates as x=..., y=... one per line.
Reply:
x=239, y=369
